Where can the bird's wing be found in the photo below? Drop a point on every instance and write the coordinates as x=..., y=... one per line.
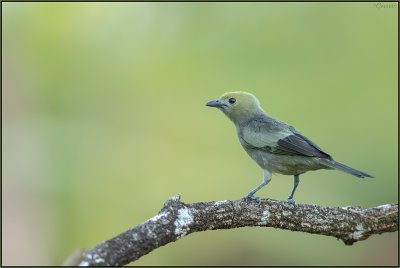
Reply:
x=279, y=138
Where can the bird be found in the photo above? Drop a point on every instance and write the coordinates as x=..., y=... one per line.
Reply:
x=274, y=145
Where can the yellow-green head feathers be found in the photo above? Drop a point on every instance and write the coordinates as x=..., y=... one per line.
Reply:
x=239, y=106
x=243, y=99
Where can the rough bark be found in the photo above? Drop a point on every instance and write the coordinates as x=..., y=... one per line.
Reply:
x=176, y=219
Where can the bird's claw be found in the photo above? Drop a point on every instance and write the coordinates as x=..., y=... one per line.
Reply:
x=291, y=200
x=254, y=198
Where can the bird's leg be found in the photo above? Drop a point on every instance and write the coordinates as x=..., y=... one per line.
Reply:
x=267, y=178
x=251, y=194
x=296, y=182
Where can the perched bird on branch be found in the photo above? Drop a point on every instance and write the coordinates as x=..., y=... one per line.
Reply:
x=276, y=146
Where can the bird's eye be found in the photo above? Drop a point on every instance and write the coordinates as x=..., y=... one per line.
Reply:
x=232, y=100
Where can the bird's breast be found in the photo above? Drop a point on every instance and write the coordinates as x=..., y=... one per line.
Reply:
x=263, y=159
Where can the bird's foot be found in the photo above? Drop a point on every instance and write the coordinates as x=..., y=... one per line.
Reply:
x=291, y=200
x=254, y=198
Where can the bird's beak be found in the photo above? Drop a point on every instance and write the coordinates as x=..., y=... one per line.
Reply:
x=215, y=103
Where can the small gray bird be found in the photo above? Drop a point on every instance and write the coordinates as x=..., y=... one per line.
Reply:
x=276, y=146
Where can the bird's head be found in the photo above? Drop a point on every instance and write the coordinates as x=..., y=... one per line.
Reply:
x=238, y=106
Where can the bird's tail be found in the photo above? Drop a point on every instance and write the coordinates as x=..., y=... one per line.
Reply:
x=339, y=166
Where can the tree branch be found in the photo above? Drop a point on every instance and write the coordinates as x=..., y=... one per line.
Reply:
x=176, y=219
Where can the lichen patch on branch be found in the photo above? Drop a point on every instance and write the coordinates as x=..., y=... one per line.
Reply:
x=264, y=218
x=356, y=235
x=185, y=218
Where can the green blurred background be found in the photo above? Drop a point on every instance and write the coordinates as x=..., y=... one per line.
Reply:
x=104, y=119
